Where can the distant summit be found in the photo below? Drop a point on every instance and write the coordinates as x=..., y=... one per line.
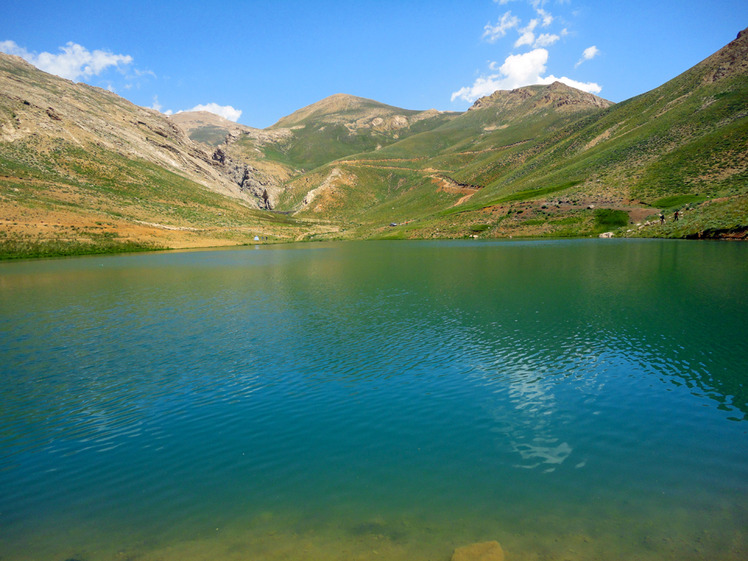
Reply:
x=556, y=95
x=355, y=113
x=203, y=126
x=337, y=107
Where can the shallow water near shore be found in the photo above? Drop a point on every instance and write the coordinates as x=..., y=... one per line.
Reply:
x=572, y=400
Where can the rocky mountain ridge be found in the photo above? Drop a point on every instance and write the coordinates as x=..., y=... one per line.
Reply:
x=557, y=95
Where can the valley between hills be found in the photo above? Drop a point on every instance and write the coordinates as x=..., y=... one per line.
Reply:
x=83, y=170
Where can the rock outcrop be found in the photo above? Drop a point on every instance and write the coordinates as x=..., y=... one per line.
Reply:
x=249, y=179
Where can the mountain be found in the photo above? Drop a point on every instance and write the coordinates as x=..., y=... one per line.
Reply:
x=435, y=164
x=355, y=113
x=46, y=114
x=531, y=99
x=342, y=125
x=262, y=162
x=550, y=160
x=83, y=170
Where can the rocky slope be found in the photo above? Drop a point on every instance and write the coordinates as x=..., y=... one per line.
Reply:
x=207, y=128
x=42, y=111
x=523, y=101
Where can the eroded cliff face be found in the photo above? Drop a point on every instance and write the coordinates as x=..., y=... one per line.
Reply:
x=261, y=187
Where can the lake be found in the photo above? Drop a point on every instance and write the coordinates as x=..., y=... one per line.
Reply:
x=575, y=400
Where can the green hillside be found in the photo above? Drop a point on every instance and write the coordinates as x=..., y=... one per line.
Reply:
x=343, y=125
x=524, y=168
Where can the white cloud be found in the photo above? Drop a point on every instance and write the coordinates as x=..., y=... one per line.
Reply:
x=519, y=70
x=546, y=40
x=73, y=62
x=527, y=34
x=545, y=16
x=493, y=32
x=140, y=73
x=225, y=111
x=588, y=54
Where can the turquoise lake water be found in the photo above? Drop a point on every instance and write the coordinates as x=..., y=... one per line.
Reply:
x=573, y=400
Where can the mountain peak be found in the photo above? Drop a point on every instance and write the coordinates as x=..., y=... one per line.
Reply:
x=731, y=60
x=528, y=99
x=336, y=104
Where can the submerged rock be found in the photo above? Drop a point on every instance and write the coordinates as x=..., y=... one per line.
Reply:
x=484, y=551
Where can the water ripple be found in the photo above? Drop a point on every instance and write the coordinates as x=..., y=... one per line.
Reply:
x=457, y=381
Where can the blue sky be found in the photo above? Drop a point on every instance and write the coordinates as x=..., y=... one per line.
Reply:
x=256, y=62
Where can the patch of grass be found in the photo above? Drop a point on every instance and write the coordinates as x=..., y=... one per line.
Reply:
x=609, y=218
x=34, y=249
x=533, y=193
x=479, y=227
x=678, y=201
x=567, y=220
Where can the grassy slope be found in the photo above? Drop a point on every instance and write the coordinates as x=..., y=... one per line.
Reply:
x=402, y=179
x=681, y=144
x=67, y=199
x=320, y=135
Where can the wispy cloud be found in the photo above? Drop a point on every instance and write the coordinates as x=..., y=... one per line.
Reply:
x=546, y=39
x=492, y=33
x=588, y=54
x=527, y=34
x=73, y=62
x=225, y=111
x=546, y=18
x=517, y=71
